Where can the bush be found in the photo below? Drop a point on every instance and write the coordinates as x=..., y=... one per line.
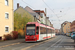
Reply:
x=8, y=37
x=21, y=32
x=0, y=38
x=21, y=36
x=14, y=34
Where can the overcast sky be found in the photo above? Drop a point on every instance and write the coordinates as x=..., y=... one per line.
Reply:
x=58, y=11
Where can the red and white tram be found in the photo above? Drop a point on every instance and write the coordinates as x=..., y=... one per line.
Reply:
x=37, y=32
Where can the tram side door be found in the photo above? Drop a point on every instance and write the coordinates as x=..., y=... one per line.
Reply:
x=37, y=33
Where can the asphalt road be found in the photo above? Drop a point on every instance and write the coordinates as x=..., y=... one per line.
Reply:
x=58, y=43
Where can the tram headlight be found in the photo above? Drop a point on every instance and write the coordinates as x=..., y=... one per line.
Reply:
x=34, y=37
x=26, y=37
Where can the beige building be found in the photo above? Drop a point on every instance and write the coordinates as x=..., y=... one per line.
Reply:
x=57, y=31
x=72, y=26
x=20, y=10
x=66, y=27
x=6, y=17
x=62, y=25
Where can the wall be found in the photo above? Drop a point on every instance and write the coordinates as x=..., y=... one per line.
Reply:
x=43, y=19
x=72, y=26
x=21, y=11
x=6, y=22
x=66, y=28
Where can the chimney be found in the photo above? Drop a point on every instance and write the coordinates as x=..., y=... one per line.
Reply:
x=47, y=17
x=45, y=11
x=17, y=5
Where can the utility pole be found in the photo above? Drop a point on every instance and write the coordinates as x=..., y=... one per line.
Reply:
x=46, y=21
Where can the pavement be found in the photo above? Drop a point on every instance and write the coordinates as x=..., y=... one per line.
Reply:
x=60, y=42
x=2, y=43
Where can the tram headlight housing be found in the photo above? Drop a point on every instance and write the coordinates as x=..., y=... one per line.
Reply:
x=34, y=36
x=26, y=37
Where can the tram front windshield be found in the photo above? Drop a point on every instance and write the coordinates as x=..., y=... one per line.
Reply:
x=30, y=32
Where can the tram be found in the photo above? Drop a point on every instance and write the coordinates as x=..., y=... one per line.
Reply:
x=37, y=32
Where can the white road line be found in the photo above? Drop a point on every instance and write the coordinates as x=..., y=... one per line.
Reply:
x=54, y=44
x=69, y=48
x=35, y=45
x=46, y=42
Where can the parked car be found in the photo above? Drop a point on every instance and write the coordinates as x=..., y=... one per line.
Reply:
x=70, y=34
x=67, y=34
x=73, y=36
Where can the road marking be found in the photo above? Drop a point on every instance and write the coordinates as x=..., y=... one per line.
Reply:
x=20, y=43
x=54, y=44
x=10, y=45
x=35, y=45
x=69, y=48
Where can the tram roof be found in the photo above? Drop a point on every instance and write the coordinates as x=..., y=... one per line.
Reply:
x=38, y=24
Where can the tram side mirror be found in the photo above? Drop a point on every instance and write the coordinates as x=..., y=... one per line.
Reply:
x=37, y=30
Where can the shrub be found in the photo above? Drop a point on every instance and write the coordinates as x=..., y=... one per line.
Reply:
x=8, y=37
x=0, y=38
x=21, y=32
x=21, y=36
x=14, y=34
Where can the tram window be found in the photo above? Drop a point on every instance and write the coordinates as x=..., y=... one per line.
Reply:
x=52, y=31
x=42, y=30
x=37, y=30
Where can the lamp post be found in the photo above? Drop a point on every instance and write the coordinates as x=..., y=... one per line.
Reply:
x=46, y=21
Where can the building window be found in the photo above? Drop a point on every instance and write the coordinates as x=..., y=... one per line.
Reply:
x=6, y=15
x=6, y=2
x=6, y=29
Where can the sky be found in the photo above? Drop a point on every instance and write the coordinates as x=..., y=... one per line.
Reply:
x=58, y=11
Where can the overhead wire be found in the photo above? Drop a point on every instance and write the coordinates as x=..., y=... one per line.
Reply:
x=27, y=4
x=45, y=4
x=51, y=10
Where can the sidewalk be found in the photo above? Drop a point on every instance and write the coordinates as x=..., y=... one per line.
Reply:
x=11, y=42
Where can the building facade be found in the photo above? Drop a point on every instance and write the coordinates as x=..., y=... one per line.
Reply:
x=48, y=21
x=6, y=17
x=20, y=10
x=72, y=26
x=43, y=16
x=36, y=16
x=62, y=27
x=57, y=31
x=66, y=27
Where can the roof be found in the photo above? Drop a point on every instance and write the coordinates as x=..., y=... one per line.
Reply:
x=40, y=11
x=32, y=12
x=38, y=24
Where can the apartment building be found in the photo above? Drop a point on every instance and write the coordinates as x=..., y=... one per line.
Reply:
x=6, y=17
x=34, y=14
x=20, y=10
x=57, y=31
x=72, y=26
x=66, y=27
x=62, y=25
x=42, y=14
x=48, y=21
